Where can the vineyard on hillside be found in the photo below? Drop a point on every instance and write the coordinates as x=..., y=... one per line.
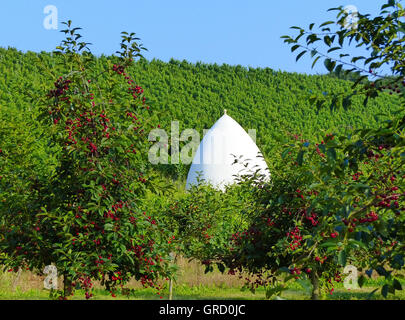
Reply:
x=276, y=104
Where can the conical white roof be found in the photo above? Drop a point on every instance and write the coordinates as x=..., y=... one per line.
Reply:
x=215, y=157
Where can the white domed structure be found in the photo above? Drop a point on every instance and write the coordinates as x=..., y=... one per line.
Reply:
x=214, y=161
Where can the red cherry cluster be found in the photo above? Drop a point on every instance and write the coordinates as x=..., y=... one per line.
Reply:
x=356, y=176
x=118, y=69
x=85, y=284
x=294, y=235
x=134, y=89
x=334, y=234
x=320, y=259
x=252, y=235
x=313, y=218
x=295, y=271
x=318, y=151
x=61, y=85
x=392, y=88
x=370, y=217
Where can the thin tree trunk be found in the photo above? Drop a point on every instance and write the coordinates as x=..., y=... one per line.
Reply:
x=17, y=279
x=173, y=255
x=67, y=286
x=171, y=289
x=315, y=286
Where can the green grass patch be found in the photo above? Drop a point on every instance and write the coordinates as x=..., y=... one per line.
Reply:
x=205, y=292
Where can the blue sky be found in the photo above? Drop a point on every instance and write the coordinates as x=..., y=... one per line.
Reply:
x=222, y=31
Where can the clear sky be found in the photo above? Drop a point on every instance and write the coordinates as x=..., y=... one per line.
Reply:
x=222, y=31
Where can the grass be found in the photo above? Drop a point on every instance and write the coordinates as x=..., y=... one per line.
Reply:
x=192, y=284
x=200, y=292
x=203, y=292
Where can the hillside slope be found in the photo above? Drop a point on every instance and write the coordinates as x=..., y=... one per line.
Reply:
x=273, y=103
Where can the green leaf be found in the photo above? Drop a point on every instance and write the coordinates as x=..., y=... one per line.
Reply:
x=300, y=55
x=276, y=290
x=361, y=280
x=381, y=271
x=365, y=101
x=397, y=285
x=313, y=53
x=370, y=295
x=384, y=291
x=331, y=153
x=108, y=226
x=221, y=267
x=285, y=153
x=326, y=23
x=342, y=258
x=315, y=61
x=329, y=64
x=300, y=157
x=295, y=47
x=356, y=244
x=334, y=49
x=327, y=40
x=346, y=103
x=207, y=269
x=305, y=284
x=329, y=244
x=338, y=69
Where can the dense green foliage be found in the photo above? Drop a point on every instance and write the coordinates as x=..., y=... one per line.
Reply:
x=83, y=215
x=339, y=200
x=276, y=104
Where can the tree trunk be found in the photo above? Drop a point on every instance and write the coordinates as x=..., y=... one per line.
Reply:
x=315, y=286
x=174, y=256
x=67, y=286
x=171, y=289
x=16, y=280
